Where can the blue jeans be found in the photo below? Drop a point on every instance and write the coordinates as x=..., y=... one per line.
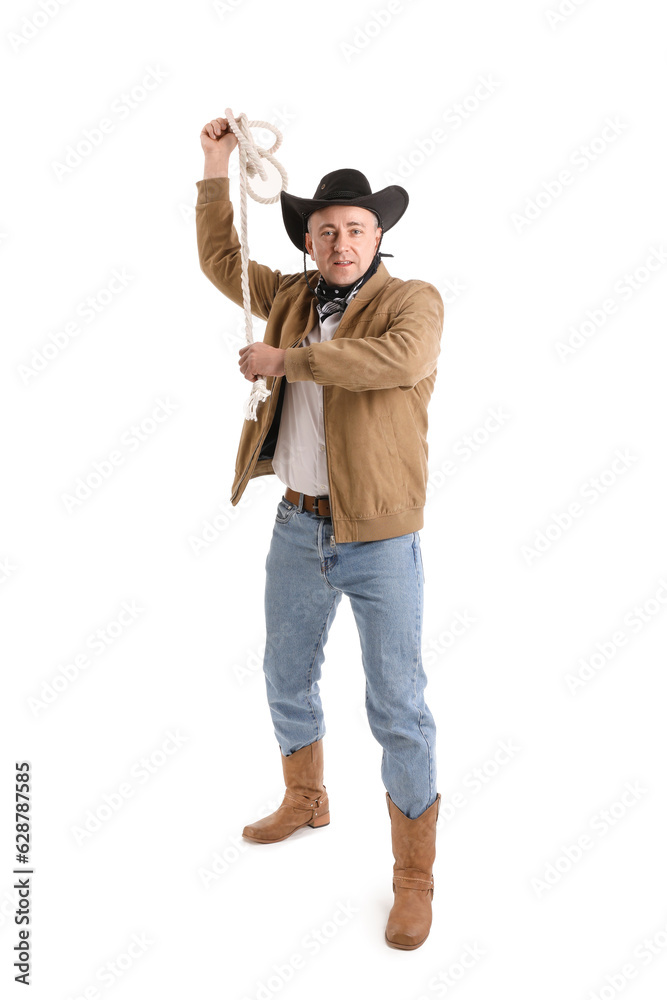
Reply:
x=307, y=573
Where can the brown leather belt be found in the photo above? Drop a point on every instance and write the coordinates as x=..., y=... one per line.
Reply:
x=316, y=505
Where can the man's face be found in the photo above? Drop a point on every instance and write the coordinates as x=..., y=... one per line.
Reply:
x=342, y=233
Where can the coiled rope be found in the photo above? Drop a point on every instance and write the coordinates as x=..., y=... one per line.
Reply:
x=250, y=163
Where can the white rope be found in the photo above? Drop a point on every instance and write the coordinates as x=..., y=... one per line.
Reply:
x=250, y=163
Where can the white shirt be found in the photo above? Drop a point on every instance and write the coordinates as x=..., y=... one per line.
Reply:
x=300, y=457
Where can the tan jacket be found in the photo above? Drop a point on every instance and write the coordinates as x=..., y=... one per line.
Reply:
x=378, y=373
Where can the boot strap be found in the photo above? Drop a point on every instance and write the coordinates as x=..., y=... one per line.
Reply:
x=412, y=878
x=300, y=803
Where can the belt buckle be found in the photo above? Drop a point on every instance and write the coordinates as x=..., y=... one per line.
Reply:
x=316, y=506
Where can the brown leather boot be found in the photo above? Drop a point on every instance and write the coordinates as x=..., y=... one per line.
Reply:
x=413, y=846
x=306, y=802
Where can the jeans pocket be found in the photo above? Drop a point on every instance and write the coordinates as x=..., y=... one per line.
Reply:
x=284, y=511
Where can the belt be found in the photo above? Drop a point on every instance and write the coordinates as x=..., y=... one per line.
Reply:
x=316, y=505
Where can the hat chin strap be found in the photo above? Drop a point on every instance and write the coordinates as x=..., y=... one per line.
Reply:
x=303, y=244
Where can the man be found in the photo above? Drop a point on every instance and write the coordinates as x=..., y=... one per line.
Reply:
x=349, y=354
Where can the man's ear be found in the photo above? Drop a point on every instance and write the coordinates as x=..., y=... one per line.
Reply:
x=309, y=245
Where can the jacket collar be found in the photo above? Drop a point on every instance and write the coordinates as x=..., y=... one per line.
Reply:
x=372, y=286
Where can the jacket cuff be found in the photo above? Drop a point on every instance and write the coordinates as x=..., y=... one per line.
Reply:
x=212, y=189
x=297, y=365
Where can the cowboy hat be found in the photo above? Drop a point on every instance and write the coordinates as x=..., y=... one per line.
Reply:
x=343, y=187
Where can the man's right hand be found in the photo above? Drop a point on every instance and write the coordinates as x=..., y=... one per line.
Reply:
x=217, y=139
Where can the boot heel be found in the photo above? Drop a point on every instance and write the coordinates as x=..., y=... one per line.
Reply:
x=320, y=820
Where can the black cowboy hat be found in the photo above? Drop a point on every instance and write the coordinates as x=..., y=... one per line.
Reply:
x=343, y=187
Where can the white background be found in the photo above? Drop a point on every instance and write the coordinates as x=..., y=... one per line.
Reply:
x=346, y=90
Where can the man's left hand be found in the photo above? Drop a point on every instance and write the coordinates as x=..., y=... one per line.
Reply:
x=261, y=359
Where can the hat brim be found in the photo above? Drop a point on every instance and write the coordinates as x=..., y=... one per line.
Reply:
x=389, y=204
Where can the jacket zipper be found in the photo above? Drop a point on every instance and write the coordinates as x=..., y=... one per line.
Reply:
x=268, y=426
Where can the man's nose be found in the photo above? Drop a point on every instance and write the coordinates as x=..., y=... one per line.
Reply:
x=340, y=244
